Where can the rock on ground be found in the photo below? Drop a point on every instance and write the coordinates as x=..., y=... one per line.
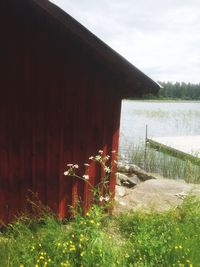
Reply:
x=153, y=195
x=128, y=181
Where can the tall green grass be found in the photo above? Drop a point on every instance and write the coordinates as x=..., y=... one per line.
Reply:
x=49, y=242
x=164, y=164
x=164, y=239
x=98, y=239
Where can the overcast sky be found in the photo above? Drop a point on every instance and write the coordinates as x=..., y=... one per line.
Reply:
x=160, y=37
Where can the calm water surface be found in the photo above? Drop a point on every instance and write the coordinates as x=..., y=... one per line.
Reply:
x=163, y=119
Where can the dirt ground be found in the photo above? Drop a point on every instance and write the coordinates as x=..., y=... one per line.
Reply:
x=155, y=194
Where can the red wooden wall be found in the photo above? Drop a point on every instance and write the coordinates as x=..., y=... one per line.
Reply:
x=59, y=104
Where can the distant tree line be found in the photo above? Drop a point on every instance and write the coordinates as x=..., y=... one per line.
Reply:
x=187, y=91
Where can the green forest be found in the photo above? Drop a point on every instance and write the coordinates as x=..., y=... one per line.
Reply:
x=185, y=91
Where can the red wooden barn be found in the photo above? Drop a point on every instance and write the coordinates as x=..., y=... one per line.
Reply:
x=61, y=92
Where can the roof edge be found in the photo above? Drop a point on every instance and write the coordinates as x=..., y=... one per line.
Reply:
x=110, y=55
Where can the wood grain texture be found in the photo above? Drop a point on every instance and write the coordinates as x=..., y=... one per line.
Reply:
x=59, y=104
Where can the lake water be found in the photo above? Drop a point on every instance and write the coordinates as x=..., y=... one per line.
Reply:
x=163, y=119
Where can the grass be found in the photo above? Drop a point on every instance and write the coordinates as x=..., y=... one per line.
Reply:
x=164, y=164
x=164, y=239
x=132, y=239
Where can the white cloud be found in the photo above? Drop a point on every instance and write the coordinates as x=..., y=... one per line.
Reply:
x=159, y=37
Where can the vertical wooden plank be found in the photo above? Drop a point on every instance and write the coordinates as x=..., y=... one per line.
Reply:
x=94, y=133
x=14, y=126
x=39, y=133
x=79, y=127
x=67, y=97
x=53, y=148
x=13, y=156
x=27, y=107
x=66, y=144
x=111, y=125
x=3, y=163
x=115, y=144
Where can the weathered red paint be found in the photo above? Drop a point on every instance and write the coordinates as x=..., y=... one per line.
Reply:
x=60, y=103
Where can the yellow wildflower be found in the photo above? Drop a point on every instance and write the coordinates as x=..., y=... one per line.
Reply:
x=72, y=248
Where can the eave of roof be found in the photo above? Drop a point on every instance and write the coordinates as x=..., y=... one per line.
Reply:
x=132, y=74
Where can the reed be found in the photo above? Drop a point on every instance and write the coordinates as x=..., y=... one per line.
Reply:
x=163, y=164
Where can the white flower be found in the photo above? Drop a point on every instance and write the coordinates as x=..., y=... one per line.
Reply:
x=107, y=157
x=75, y=166
x=69, y=165
x=98, y=157
x=86, y=164
x=100, y=151
x=91, y=158
x=107, y=169
x=86, y=177
x=107, y=198
x=115, y=162
x=66, y=173
x=101, y=198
